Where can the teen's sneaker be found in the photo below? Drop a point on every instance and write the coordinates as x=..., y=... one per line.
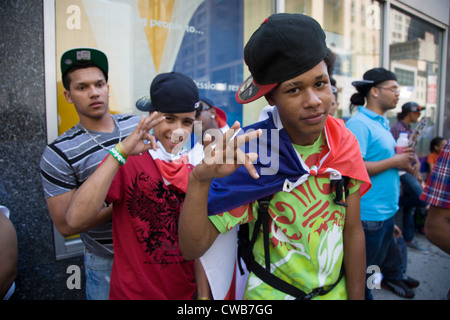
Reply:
x=410, y=282
x=413, y=244
x=398, y=287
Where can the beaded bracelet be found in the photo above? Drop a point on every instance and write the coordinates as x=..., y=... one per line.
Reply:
x=119, y=157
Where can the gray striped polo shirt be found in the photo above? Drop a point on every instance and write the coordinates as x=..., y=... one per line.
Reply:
x=68, y=161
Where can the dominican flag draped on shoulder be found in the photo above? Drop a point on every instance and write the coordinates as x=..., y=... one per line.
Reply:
x=219, y=261
x=281, y=168
x=174, y=169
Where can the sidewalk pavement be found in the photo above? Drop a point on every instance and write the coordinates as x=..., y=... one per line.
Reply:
x=432, y=269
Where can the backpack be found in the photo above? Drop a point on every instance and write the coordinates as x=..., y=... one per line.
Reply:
x=245, y=247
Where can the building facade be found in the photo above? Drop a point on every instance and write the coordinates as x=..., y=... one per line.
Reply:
x=203, y=39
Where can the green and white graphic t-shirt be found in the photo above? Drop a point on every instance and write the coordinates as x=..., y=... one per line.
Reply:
x=306, y=235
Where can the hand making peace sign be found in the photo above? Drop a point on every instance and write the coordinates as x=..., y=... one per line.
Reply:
x=225, y=157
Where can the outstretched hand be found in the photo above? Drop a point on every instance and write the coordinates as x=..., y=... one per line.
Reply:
x=225, y=157
x=140, y=140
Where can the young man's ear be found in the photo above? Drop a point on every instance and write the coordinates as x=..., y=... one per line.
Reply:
x=67, y=96
x=374, y=91
x=269, y=98
x=212, y=111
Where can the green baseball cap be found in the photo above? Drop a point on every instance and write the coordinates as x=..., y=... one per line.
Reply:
x=74, y=56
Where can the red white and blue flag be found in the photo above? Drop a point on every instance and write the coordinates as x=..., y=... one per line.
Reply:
x=282, y=169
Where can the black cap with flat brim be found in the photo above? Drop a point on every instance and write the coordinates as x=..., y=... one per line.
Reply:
x=412, y=107
x=373, y=77
x=171, y=92
x=75, y=56
x=144, y=104
x=283, y=47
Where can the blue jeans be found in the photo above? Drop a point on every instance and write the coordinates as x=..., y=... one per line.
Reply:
x=98, y=276
x=394, y=265
x=409, y=201
x=379, y=235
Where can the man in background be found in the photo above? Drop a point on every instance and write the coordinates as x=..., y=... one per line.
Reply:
x=377, y=93
x=69, y=160
x=411, y=182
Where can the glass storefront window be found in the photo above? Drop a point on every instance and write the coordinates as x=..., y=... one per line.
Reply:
x=353, y=33
x=255, y=11
x=414, y=51
x=203, y=39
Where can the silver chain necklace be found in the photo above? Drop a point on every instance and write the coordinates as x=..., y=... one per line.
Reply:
x=95, y=140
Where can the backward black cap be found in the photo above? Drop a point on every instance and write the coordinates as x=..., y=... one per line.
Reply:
x=284, y=46
x=171, y=92
x=373, y=77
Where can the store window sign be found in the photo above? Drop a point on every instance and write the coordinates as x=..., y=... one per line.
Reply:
x=145, y=37
x=432, y=89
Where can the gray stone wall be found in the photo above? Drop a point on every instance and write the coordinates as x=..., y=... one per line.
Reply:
x=22, y=140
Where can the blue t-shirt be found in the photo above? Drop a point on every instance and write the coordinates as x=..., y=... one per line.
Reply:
x=376, y=143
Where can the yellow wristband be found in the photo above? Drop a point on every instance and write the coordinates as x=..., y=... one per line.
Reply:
x=119, y=147
x=203, y=298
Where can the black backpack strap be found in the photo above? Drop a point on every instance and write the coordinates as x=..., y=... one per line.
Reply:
x=243, y=244
x=264, y=208
x=288, y=288
x=341, y=188
x=245, y=251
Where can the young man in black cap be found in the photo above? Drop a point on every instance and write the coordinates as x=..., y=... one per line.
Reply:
x=209, y=118
x=147, y=190
x=411, y=182
x=379, y=92
x=69, y=160
x=411, y=112
x=310, y=234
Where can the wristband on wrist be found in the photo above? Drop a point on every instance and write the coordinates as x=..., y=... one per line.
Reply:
x=203, y=298
x=119, y=148
x=119, y=157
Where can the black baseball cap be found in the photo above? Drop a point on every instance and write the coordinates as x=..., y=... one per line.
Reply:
x=373, y=77
x=171, y=92
x=220, y=113
x=283, y=47
x=75, y=56
x=412, y=107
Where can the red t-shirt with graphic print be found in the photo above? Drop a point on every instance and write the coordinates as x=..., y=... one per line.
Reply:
x=147, y=260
